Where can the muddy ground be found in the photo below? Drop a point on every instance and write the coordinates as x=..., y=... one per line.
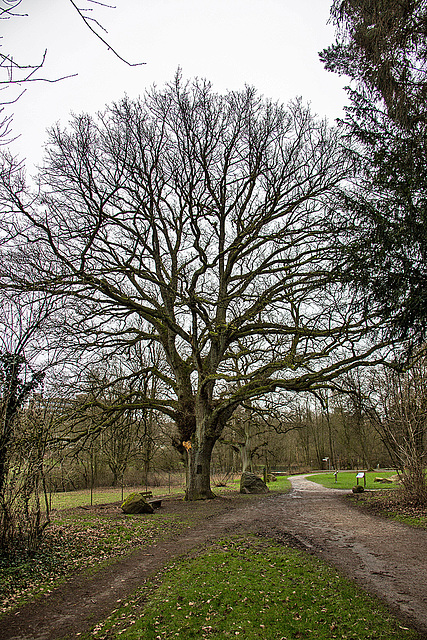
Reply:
x=385, y=557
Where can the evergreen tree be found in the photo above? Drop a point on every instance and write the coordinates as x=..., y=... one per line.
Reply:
x=381, y=46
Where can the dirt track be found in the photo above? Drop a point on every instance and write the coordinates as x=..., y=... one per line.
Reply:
x=387, y=558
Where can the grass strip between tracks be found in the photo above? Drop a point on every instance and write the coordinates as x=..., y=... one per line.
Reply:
x=251, y=588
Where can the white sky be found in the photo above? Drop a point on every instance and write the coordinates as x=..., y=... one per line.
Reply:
x=270, y=44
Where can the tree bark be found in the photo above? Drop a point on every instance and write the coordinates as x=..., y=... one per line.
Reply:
x=245, y=456
x=198, y=472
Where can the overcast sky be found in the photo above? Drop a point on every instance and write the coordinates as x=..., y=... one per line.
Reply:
x=270, y=44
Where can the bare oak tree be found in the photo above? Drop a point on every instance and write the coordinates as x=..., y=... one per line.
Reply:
x=198, y=222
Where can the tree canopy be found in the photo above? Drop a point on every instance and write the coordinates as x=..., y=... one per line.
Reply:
x=196, y=226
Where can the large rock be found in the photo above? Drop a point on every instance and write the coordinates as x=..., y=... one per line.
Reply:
x=250, y=483
x=136, y=503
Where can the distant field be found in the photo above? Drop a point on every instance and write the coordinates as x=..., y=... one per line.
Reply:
x=105, y=495
x=347, y=479
x=102, y=495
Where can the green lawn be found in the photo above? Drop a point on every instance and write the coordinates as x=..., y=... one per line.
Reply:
x=347, y=479
x=282, y=484
x=251, y=588
x=105, y=495
x=102, y=495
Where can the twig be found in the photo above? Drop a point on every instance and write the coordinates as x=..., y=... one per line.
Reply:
x=86, y=20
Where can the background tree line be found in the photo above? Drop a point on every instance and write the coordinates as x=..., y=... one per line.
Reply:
x=373, y=420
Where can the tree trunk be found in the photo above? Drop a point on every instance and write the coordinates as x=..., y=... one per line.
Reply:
x=198, y=486
x=245, y=457
x=4, y=447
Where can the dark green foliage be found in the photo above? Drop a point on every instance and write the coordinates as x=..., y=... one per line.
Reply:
x=22, y=445
x=381, y=46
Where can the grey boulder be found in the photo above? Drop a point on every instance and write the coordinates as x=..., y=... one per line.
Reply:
x=250, y=483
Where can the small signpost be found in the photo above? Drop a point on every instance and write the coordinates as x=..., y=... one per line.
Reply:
x=359, y=476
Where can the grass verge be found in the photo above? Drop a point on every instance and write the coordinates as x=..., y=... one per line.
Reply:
x=280, y=485
x=78, y=540
x=389, y=504
x=251, y=588
x=347, y=479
